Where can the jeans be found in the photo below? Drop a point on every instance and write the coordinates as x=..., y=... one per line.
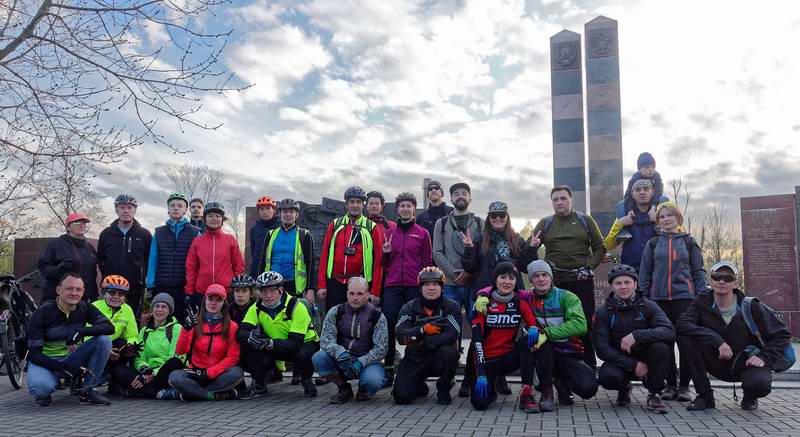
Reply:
x=92, y=354
x=371, y=379
x=193, y=389
x=462, y=296
x=393, y=300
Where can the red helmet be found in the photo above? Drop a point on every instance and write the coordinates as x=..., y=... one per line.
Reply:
x=265, y=201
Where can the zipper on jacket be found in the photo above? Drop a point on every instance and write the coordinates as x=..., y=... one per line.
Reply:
x=213, y=258
x=669, y=266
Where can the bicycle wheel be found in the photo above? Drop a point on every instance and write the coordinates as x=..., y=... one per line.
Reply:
x=13, y=363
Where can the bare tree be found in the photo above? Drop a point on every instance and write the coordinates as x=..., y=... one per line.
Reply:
x=235, y=206
x=682, y=196
x=196, y=180
x=720, y=239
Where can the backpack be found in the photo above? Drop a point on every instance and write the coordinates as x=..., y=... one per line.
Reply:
x=443, y=220
x=785, y=361
x=690, y=243
x=582, y=220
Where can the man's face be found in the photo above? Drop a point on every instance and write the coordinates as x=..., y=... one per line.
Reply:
x=406, y=210
x=642, y=195
x=70, y=291
x=176, y=209
x=125, y=213
x=461, y=199
x=431, y=290
x=355, y=206
x=266, y=212
x=270, y=295
x=435, y=193
x=114, y=298
x=213, y=220
x=196, y=209
x=647, y=171
x=357, y=295
x=506, y=283
x=723, y=281
x=241, y=295
x=624, y=287
x=562, y=203
x=542, y=282
x=374, y=206
x=289, y=216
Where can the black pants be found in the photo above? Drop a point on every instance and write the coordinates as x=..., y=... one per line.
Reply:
x=674, y=309
x=134, y=299
x=411, y=375
x=655, y=355
x=393, y=300
x=179, y=297
x=260, y=363
x=123, y=376
x=756, y=381
x=585, y=292
x=520, y=358
x=576, y=375
x=337, y=293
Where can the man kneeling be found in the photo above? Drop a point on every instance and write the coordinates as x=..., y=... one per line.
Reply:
x=429, y=327
x=352, y=344
x=632, y=336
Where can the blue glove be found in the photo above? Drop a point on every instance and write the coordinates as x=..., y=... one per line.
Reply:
x=344, y=361
x=356, y=368
x=482, y=387
x=533, y=336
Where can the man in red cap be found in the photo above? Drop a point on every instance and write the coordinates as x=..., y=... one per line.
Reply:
x=70, y=253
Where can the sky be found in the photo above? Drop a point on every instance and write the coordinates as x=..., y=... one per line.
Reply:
x=382, y=94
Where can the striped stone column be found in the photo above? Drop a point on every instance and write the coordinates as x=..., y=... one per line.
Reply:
x=603, y=120
x=569, y=156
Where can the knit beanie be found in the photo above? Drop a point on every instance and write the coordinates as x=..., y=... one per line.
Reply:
x=165, y=299
x=504, y=267
x=645, y=159
x=538, y=266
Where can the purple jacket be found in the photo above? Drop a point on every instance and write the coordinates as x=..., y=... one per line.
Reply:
x=411, y=252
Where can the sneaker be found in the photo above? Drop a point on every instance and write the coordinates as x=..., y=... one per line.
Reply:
x=564, y=395
x=502, y=386
x=749, y=404
x=309, y=389
x=624, y=235
x=527, y=402
x=227, y=395
x=465, y=390
x=254, y=391
x=702, y=402
x=361, y=395
x=670, y=393
x=43, y=402
x=684, y=395
x=92, y=397
x=546, y=402
x=344, y=394
x=624, y=395
x=443, y=398
x=655, y=404
x=168, y=394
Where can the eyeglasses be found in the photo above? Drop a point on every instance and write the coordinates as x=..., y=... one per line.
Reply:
x=497, y=215
x=434, y=187
x=722, y=278
x=115, y=293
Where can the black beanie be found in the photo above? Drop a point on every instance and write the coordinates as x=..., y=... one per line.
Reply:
x=645, y=159
x=503, y=268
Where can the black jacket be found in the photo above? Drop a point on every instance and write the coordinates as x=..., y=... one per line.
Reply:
x=199, y=223
x=411, y=320
x=258, y=234
x=125, y=254
x=704, y=323
x=616, y=319
x=306, y=243
x=475, y=262
x=427, y=219
x=67, y=254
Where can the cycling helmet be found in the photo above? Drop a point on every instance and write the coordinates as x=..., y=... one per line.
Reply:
x=115, y=282
x=243, y=280
x=269, y=279
x=430, y=274
x=177, y=196
x=265, y=201
x=288, y=204
x=214, y=207
x=125, y=199
x=405, y=197
x=355, y=191
x=622, y=270
x=377, y=194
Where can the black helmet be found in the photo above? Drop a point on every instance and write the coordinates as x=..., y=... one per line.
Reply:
x=214, y=207
x=622, y=270
x=288, y=204
x=269, y=279
x=355, y=191
x=126, y=199
x=405, y=197
x=243, y=280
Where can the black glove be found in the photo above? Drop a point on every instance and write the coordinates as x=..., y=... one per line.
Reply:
x=74, y=337
x=66, y=266
x=73, y=371
x=200, y=375
x=257, y=340
x=144, y=370
x=191, y=319
x=584, y=273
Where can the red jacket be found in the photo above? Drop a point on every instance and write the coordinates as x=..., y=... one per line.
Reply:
x=214, y=258
x=224, y=350
x=346, y=266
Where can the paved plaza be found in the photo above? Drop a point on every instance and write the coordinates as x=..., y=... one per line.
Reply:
x=286, y=413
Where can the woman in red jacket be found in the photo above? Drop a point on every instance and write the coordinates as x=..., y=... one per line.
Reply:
x=212, y=373
x=214, y=257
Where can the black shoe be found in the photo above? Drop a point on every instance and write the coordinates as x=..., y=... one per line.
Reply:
x=465, y=390
x=684, y=395
x=655, y=404
x=255, y=391
x=749, y=404
x=702, y=402
x=92, y=397
x=309, y=389
x=344, y=394
x=670, y=393
x=362, y=395
x=275, y=377
x=44, y=402
x=564, y=395
x=295, y=380
x=226, y=395
x=624, y=395
x=502, y=386
x=320, y=381
x=443, y=398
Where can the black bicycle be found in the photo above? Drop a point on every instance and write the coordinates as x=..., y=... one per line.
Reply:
x=16, y=307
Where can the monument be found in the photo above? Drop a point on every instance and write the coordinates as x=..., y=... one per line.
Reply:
x=769, y=241
x=569, y=156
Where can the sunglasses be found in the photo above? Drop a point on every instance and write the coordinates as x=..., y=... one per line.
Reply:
x=722, y=278
x=434, y=187
x=497, y=215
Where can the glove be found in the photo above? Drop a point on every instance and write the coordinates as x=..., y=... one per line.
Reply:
x=344, y=361
x=584, y=273
x=356, y=368
x=73, y=371
x=144, y=370
x=65, y=266
x=542, y=340
x=256, y=340
x=74, y=337
x=481, y=304
x=482, y=387
x=430, y=329
x=201, y=375
x=190, y=321
x=533, y=336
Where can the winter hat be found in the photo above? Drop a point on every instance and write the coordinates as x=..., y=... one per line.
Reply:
x=504, y=267
x=538, y=266
x=165, y=299
x=645, y=159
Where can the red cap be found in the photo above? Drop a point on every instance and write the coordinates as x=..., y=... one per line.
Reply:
x=217, y=290
x=76, y=217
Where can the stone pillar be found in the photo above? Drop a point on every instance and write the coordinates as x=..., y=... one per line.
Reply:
x=569, y=156
x=604, y=122
x=425, y=193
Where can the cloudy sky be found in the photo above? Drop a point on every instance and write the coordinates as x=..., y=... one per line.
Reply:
x=385, y=93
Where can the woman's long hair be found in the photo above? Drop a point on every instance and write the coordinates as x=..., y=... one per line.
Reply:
x=508, y=232
x=201, y=318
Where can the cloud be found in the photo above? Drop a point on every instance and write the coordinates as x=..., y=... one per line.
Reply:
x=706, y=121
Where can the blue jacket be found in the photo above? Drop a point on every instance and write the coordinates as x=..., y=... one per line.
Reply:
x=641, y=231
x=672, y=268
x=168, y=250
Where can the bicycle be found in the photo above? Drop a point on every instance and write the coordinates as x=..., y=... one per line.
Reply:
x=16, y=307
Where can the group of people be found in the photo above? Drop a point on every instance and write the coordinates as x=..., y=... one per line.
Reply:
x=410, y=282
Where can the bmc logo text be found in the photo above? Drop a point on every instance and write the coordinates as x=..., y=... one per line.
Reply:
x=503, y=319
